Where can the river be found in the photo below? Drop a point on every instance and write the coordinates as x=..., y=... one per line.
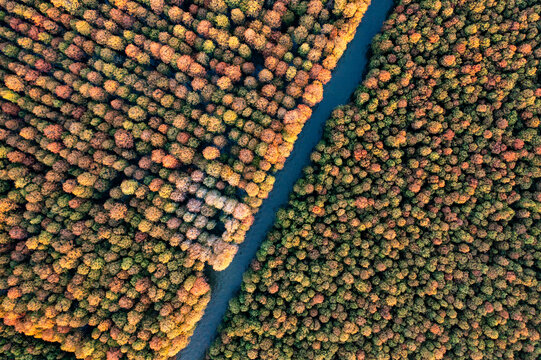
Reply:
x=346, y=77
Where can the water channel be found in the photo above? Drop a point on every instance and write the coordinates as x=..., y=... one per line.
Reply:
x=347, y=75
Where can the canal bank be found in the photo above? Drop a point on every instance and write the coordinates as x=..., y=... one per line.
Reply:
x=346, y=77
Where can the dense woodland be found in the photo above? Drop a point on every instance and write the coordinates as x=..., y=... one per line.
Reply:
x=14, y=345
x=137, y=140
x=415, y=232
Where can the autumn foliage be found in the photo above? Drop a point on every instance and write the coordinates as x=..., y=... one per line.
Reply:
x=137, y=140
x=415, y=232
x=14, y=345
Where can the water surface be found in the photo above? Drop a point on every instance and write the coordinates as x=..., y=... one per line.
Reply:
x=345, y=78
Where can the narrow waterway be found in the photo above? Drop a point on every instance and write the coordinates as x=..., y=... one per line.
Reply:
x=347, y=75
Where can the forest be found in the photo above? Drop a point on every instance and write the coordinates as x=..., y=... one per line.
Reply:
x=139, y=139
x=415, y=231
